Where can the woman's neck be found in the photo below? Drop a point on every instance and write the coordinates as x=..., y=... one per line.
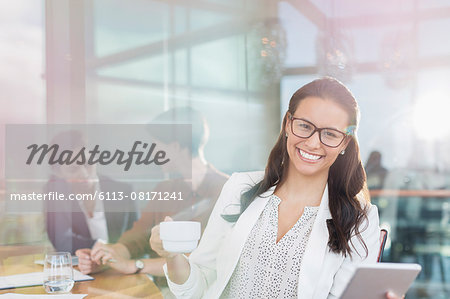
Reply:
x=307, y=190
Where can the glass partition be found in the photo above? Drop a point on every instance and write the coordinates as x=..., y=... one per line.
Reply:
x=238, y=63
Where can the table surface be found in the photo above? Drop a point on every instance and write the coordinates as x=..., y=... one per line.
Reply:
x=107, y=284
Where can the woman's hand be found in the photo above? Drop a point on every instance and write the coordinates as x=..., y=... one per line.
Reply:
x=114, y=256
x=390, y=295
x=178, y=267
x=156, y=242
x=85, y=263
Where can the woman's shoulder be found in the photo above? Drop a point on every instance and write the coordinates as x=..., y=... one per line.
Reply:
x=238, y=183
x=241, y=181
x=247, y=178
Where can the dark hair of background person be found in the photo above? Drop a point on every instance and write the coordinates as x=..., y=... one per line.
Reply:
x=376, y=173
x=346, y=176
x=68, y=140
x=184, y=115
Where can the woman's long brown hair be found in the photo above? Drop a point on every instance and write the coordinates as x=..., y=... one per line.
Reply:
x=346, y=176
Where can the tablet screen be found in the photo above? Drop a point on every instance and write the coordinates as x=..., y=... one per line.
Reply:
x=373, y=281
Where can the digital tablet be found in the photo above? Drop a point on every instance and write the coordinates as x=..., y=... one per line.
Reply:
x=373, y=281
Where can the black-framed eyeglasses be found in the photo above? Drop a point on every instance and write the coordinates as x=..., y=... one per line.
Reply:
x=328, y=136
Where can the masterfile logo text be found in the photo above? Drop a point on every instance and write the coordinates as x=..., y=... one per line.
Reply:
x=146, y=156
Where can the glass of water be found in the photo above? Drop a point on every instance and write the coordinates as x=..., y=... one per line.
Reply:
x=58, y=273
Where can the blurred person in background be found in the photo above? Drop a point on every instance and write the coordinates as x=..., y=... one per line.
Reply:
x=197, y=180
x=75, y=224
x=376, y=175
x=375, y=171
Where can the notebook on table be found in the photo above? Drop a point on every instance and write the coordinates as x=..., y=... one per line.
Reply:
x=33, y=279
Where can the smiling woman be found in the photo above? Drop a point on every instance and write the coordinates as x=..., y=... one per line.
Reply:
x=303, y=225
x=329, y=104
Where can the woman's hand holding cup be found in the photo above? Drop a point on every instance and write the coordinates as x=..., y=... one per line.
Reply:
x=170, y=238
x=156, y=242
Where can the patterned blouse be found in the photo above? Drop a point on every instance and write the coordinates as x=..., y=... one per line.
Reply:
x=267, y=269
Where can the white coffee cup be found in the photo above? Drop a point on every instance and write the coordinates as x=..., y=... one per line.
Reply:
x=180, y=236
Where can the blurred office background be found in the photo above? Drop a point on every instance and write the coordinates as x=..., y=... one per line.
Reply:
x=238, y=62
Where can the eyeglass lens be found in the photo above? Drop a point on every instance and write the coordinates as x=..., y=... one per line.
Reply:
x=305, y=129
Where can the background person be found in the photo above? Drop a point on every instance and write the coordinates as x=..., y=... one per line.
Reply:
x=197, y=181
x=75, y=224
x=376, y=172
x=304, y=225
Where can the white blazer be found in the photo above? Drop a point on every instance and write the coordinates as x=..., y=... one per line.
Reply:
x=323, y=274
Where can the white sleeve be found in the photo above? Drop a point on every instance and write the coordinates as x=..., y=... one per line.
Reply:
x=203, y=259
x=371, y=237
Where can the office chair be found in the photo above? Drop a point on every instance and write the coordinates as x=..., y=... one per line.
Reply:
x=383, y=237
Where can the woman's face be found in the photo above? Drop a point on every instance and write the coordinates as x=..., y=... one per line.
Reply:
x=308, y=156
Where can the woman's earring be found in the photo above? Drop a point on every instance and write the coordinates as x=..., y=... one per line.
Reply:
x=286, y=135
x=342, y=152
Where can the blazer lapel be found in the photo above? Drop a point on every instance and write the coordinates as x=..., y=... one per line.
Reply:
x=315, y=251
x=239, y=235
